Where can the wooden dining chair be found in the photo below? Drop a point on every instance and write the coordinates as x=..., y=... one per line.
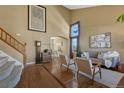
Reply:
x=66, y=60
x=86, y=67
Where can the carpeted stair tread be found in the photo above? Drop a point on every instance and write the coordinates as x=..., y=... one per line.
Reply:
x=12, y=79
x=10, y=70
x=3, y=60
x=6, y=69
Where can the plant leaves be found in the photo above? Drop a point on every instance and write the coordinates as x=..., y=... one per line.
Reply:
x=120, y=18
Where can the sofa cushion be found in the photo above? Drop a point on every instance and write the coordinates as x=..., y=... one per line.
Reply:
x=101, y=55
x=97, y=60
x=93, y=54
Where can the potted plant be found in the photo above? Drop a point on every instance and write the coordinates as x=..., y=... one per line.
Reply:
x=79, y=52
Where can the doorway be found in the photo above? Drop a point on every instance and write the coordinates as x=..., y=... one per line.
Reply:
x=59, y=45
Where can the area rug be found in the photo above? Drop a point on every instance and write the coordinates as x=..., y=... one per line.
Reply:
x=109, y=78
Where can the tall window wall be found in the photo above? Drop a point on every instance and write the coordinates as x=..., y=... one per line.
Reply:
x=74, y=37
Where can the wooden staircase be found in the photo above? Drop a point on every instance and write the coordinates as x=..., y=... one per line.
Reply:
x=14, y=43
x=10, y=71
x=10, y=68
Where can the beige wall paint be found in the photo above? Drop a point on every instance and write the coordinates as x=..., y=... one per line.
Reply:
x=99, y=20
x=93, y=21
x=14, y=20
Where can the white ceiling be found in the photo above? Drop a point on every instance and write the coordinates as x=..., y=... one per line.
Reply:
x=78, y=6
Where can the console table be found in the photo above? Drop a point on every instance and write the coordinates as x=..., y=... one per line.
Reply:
x=46, y=57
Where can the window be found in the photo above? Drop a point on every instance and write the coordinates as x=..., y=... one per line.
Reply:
x=74, y=30
x=74, y=37
x=74, y=44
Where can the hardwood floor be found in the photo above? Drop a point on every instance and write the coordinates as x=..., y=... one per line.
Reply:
x=36, y=76
x=51, y=75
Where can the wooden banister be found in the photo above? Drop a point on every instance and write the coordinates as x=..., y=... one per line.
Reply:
x=14, y=43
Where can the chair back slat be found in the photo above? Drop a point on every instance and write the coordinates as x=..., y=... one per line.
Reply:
x=84, y=65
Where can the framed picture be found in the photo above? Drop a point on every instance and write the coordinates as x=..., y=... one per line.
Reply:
x=37, y=18
x=101, y=41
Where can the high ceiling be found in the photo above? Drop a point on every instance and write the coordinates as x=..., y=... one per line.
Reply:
x=78, y=6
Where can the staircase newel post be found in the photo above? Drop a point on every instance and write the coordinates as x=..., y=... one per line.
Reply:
x=24, y=55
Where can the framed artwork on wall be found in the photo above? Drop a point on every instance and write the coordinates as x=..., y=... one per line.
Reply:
x=37, y=18
x=100, y=41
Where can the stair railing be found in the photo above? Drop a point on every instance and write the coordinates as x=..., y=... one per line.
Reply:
x=14, y=43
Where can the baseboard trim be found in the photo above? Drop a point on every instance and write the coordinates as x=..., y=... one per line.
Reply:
x=30, y=63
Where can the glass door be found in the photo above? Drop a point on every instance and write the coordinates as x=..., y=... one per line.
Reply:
x=74, y=44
